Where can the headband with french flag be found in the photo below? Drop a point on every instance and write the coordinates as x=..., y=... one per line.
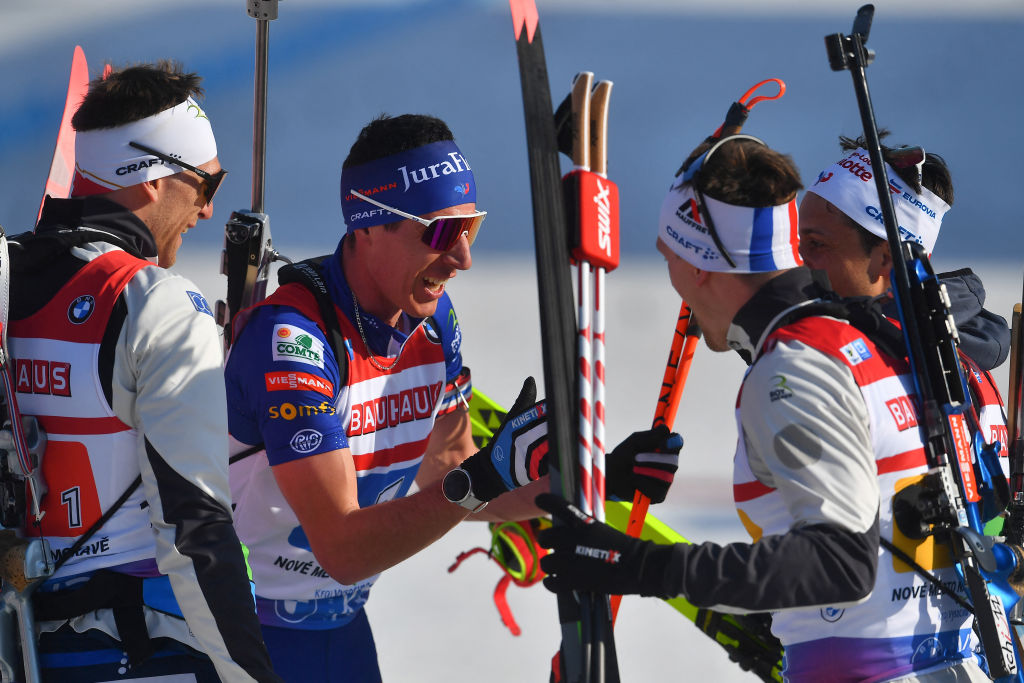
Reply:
x=758, y=240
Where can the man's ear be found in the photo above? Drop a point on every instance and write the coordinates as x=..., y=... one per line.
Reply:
x=151, y=188
x=880, y=262
x=700, y=276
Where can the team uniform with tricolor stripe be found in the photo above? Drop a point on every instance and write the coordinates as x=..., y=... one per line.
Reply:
x=120, y=362
x=286, y=391
x=904, y=625
x=827, y=436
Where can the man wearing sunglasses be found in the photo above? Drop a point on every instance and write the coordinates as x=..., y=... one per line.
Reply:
x=345, y=424
x=348, y=427
x=120, y=360
x=824, y=444
x=840, y=235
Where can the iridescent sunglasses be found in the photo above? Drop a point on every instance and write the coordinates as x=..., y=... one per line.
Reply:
x=442, y=232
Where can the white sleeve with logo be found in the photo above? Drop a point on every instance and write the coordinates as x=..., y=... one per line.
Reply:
x=806, y=433
x=168, y=383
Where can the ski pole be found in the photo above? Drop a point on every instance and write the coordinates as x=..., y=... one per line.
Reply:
x=680, y=357
x=684, y=341
x=684, y=345
x=666, y=409
x=581, y=163
x=737, y=114
x=607, y=227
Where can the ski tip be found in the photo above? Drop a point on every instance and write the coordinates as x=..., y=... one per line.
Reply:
x=524, y=15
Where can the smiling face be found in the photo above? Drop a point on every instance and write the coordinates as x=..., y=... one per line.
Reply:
x=391, y=270
x=179, y=205
x=831, y=242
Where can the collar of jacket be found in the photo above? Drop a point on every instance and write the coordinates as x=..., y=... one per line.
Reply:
x=768, y=306
x=101, y=214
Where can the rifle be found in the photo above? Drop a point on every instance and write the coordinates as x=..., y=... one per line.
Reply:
x=946, y=504
x=248, y=248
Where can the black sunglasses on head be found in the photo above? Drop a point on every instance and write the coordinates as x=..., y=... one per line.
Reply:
x=210, y=181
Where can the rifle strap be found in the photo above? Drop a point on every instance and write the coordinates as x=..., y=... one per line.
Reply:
x=924, y=573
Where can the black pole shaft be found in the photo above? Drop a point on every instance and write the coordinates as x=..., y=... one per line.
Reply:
x=259, y=115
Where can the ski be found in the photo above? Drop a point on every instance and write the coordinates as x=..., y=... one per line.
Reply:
x=248, y=249
x=62, y=167
x=951, y=500
x=747, y=639
x=587, y=651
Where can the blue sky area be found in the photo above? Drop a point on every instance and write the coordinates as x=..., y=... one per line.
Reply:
x=942, y=79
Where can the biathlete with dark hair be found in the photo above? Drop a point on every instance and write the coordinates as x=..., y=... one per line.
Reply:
x=347, y=416
x=819, y=455
x=130, y=391
x=841, y=233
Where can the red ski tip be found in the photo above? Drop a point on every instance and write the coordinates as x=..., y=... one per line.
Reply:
x=524, y=13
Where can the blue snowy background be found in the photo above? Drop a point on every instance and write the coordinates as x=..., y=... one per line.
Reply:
x=949, y=83
x=947, y=77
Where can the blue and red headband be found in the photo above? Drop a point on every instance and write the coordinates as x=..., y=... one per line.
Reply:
x=418, y=181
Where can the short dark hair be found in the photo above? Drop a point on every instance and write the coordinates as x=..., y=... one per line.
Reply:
x=935, y=176
x=387, y=135
x=935, y=173
x=134, y=92
x=744, y=172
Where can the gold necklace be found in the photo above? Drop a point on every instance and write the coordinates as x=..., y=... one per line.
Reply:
x=362, y=335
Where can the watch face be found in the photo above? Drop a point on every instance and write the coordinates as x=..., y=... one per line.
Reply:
x=456, y=485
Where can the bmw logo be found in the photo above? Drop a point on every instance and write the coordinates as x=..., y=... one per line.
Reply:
x=81, y=308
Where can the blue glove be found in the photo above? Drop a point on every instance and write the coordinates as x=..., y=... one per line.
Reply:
x=518, y=452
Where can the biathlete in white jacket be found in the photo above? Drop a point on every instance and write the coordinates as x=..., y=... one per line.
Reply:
x=120, y=360
x=820, y=453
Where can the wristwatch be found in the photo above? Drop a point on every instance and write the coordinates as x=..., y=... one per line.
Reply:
x=458, y=489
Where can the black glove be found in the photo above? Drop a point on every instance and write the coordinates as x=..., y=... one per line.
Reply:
x=590, y=556
x=644, y=462
x=517, y=453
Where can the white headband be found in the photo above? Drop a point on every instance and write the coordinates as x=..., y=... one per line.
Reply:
x=849, y=185
x=757, y=240
x=104, y=161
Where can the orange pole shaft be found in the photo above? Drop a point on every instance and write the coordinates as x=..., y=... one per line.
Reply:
x=677, y=368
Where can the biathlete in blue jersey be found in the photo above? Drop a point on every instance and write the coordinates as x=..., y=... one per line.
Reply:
x=350, y=414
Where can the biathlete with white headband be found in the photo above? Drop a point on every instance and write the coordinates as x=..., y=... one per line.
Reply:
x=841, y=233
x=120, y=360
x=819, y=457
x=346, y=421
